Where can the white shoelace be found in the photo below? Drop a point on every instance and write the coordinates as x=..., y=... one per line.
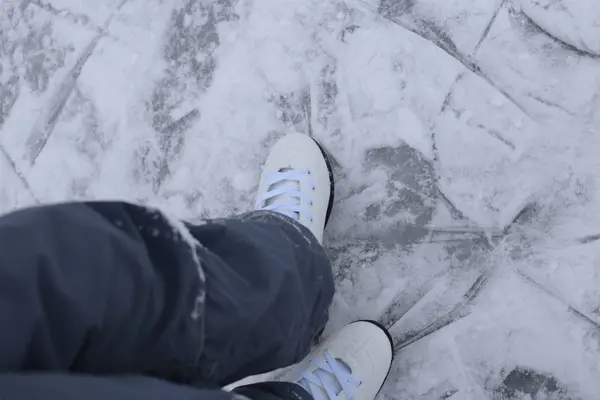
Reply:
x=329, y=379
x=284, y=194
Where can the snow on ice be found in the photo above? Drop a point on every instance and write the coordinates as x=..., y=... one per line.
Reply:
x=464, y=134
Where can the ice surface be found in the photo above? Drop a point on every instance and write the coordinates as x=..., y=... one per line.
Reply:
x=575, y=22
x=444, y=120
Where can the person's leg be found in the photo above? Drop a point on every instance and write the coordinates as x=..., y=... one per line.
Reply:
x=102, y=287
x=61, y=386
x=268, y=295
x=115, y=288
x=109, y=287
x=298, y=183
x=354, y=362
x=269, y=286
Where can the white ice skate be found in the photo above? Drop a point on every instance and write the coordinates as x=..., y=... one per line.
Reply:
x=351, y=364
x=297, y=181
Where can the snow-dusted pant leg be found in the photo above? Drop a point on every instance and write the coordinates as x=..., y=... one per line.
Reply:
x=102, y=287
x=113, y=288
x=57, y=386
x=269, y=287
x=62, y=386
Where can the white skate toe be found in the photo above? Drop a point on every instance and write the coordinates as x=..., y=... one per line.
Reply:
x=352, y=364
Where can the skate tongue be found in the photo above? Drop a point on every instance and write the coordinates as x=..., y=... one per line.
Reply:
x=328, y=379
x=284, y=198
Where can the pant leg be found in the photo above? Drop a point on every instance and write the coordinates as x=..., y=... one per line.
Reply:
x=98, y=288
x=57, y=386
x=113, y=288
x=269, y=286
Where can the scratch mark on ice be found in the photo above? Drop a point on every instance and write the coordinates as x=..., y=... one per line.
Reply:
x=488, y=28
x=19, y=174
x=495, y=134
x=445, y=44
x=560, y=42
x=46, y=121
x=551, y=104
x=459, y=311
x=552, y=293
x=589, y=238
x=66, y=13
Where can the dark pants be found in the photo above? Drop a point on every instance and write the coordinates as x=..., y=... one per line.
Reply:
x=111, y=300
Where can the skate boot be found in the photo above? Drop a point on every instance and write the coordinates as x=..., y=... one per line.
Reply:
x=297, y=181
x=351, y=364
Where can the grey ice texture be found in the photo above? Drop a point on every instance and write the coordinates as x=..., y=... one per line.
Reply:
x=465, y=138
